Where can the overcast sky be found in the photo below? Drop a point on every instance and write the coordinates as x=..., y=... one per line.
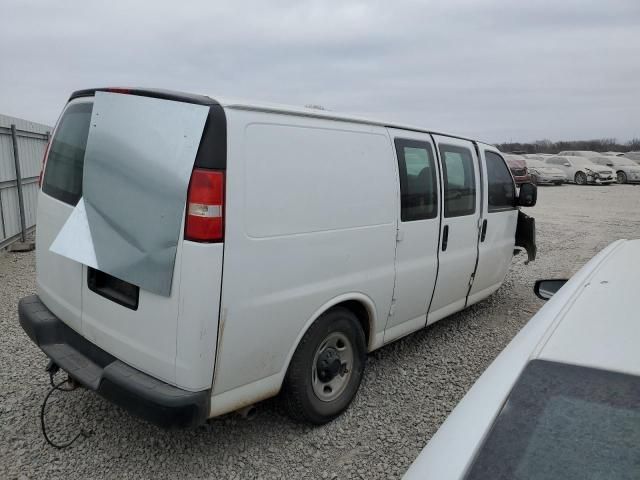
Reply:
x=492, y=70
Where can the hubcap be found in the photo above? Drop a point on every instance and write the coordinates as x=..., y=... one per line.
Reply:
x=332, y=366
x=621, y=177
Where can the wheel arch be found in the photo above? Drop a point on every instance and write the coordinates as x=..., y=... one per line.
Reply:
x=358, y=303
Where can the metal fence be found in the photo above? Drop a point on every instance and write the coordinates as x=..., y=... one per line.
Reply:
x=22, y=145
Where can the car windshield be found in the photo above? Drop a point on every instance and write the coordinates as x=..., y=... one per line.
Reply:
x=532, y=163
x=622, y=161
x=564, y=421
x=581, y=161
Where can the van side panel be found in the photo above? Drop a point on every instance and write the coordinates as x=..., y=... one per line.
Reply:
x=310, y=215
x=197, y=329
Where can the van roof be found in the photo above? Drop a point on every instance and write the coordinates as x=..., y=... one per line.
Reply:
x=242, y=104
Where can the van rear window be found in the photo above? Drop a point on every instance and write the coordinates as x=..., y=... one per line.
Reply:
x=63, y=172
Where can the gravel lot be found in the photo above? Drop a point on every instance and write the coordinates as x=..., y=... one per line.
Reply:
x=408, y=389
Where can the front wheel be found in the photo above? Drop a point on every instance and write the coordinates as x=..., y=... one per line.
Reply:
x=580, y=178
x=326, y=368
x=622, y=177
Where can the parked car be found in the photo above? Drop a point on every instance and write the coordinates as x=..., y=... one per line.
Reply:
x=635, y=156
x=563, y=398
x=542, y=173
x=627, y=171
x=582, y=171
x=613, y=154
x=518, y=166
x=303, y=240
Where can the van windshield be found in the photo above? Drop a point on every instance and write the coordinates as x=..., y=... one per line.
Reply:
x=565, y=421
x=63, y=171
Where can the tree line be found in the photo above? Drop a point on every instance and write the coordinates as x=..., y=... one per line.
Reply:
x=547, y=146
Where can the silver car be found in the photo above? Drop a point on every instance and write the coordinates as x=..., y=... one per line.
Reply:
x=627, y=171
x=542, y=173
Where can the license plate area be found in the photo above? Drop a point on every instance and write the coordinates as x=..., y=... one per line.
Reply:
x=112, y=288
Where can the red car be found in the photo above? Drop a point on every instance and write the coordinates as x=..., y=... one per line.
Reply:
x=518, y=168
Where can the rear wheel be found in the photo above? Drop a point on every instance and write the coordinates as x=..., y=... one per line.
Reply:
x=622, y=177
x=326, y=369
x=580, y=178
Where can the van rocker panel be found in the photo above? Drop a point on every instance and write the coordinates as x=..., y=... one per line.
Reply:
x=139, y=393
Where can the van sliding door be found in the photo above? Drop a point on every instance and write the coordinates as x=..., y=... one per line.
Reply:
x=418, y=231
x=459, y=233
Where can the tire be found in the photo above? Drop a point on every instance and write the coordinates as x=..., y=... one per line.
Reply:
x=622, y=177
x=580, y=178
x=307, y=396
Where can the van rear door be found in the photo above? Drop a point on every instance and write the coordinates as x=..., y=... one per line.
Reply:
x=152, y=332
x=59, y=279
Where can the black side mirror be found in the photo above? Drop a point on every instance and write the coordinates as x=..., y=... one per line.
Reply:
x=528, y=195
x=545, y=289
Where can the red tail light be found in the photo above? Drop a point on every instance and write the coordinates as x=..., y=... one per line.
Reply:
x=44, y=161
x=205, y=206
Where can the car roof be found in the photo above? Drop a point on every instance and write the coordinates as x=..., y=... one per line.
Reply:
x=600, y=327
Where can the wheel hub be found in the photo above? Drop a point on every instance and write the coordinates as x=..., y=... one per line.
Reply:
x=328, y=365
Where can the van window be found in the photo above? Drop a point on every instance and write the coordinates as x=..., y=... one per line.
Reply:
x=501, y=194
x=63, y=172
x=459, y=181
x=418, y=197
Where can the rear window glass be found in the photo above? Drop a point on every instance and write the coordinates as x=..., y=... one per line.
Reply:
x=418, y=197
x=63, y=172
x=565, y=421
x=459, y=181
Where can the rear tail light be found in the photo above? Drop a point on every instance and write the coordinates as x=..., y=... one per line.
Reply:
x=205, y=206
x=44, y=161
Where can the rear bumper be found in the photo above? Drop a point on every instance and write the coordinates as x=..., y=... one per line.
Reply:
x=142, y=395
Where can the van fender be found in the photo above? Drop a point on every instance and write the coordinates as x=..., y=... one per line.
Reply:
x=373, y=340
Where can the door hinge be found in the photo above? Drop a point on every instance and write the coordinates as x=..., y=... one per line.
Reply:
x=399, y=235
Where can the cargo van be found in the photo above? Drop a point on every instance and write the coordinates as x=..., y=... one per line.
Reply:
x=305, y=239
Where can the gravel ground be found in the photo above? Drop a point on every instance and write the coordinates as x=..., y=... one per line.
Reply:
x=408, y=389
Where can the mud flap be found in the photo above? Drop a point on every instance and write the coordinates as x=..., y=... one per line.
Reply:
x=526, y=235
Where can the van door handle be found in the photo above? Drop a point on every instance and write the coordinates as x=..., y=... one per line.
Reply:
x=484, y=230
x=445, y=237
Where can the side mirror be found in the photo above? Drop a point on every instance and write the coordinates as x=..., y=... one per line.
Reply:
x=528, y=195
x=545, y=289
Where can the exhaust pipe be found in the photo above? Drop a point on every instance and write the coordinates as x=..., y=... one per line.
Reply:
x=248, y=413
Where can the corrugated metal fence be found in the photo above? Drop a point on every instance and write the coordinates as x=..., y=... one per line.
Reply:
x=24, y=141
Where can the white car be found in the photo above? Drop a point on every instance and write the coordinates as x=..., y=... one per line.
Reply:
x=196, y=256
x=627, y=171
x=582, y=170
x=542, y=173
x=562, y=400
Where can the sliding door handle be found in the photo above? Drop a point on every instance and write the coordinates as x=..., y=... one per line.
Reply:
x=445, y=237
x=484, y=230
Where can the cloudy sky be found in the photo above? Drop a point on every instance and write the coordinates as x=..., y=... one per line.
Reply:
x=493, y=70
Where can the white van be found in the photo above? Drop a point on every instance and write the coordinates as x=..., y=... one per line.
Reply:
x=307, y=239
